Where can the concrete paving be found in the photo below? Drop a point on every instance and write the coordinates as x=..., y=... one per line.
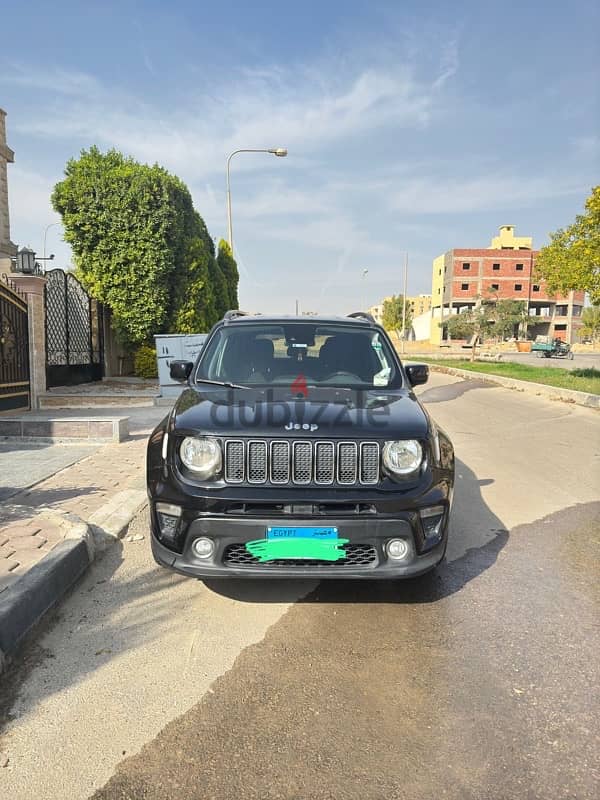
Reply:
x=70, y=493
x=473, y=683
x=22, y=464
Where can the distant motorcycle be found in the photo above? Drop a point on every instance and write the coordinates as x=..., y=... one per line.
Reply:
x=555, y=348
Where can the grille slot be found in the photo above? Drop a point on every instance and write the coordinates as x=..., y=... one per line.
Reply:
x=347, y=462
x=369, y=462
x=324, y=462
x=357, y=555
x=234, y=461
x=300, y=463
x=280, y=462
x=257, y=462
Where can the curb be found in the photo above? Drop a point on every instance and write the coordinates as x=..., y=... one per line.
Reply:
x=24, y=604
x=536, y=389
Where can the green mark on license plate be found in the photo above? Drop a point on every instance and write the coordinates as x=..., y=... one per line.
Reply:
x=317, y=543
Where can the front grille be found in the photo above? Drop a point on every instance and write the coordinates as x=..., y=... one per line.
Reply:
x=300, y=463
x=357, y=555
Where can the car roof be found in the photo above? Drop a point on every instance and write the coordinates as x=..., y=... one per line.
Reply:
x=292, y=319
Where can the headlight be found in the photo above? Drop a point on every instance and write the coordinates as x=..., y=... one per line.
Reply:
x=402, y=458
x=202, y=456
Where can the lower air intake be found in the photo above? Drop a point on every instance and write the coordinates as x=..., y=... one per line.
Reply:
x=357, y=555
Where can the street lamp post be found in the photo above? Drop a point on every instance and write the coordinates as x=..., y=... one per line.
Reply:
x=365, y=272
x=276, y=151
x=46, y=229
x=404, y=300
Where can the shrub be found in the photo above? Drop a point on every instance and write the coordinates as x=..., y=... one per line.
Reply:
x=144, y=362
x=586, y=372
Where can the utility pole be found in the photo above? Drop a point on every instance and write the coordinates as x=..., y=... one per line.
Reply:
x=296, y=308
x=404, y=300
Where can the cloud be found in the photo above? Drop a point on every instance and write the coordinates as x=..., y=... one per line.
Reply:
x=57, y=80
x=429, y=195
x=448, y=65
x=302, y=108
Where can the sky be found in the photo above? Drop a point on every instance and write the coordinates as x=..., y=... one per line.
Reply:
x=412, y=127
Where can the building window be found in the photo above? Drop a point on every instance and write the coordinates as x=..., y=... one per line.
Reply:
x=518, y=287
x=439, y=272
x=496, y=266
x=495, y=287
x=466, y=265
x=464, y=286
x=560, y=327
x=519, y=267
x=536, y=288
x=561, y=311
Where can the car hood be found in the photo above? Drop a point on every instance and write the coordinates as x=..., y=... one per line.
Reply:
x=337, y=413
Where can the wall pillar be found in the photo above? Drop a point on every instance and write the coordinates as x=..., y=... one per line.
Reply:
x=32, y=286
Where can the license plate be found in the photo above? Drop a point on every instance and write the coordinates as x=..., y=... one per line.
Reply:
x=298, y=542
x=312, y=532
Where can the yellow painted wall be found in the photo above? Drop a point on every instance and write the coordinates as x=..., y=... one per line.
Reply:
x=437, y=298
x=507, y=239
x=419, y=303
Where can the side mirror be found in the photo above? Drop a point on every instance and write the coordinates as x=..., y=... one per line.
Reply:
x=180, y=370
x=417, y=373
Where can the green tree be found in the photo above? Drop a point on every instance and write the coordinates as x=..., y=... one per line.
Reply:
x=138, y=244
x=572, y=259
x=194, y=301
x=472, y=324
x=229, y=269
x=509, y=316
x=591, y=323
x=392, y=315
x=497, y=318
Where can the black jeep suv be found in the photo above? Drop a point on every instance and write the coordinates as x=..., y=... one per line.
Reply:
x=299, y=449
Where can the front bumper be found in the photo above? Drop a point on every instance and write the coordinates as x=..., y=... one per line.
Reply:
x=372, y=532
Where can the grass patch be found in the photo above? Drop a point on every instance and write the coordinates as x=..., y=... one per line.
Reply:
x=581, y=380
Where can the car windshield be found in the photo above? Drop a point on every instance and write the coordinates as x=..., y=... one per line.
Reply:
x=280, y=354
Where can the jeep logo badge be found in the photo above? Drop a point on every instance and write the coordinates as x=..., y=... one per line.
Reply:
x=296, y=426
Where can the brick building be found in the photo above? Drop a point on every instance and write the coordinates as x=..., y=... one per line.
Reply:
x=418, y=304
x=505, y=271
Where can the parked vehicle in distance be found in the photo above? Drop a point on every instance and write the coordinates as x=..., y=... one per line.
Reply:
x=299, y=449
x=546, y=347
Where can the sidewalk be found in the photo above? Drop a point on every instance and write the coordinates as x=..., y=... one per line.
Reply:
x=50, y=532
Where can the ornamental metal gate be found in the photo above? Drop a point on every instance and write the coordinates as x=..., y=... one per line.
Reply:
x=74, y=332
x=14, y=348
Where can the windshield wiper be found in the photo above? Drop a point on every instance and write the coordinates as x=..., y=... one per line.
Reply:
x=226, y=384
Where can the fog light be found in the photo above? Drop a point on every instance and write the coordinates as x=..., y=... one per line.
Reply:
x=203, y=547
x=431, y=520
x=398, y=549
x=168, y=520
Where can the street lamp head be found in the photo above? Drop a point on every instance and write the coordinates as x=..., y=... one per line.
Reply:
x=365, y=272
x=279, y=151
x=25, y=261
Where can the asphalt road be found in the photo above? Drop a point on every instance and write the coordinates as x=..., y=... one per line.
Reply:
x=477, y=682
